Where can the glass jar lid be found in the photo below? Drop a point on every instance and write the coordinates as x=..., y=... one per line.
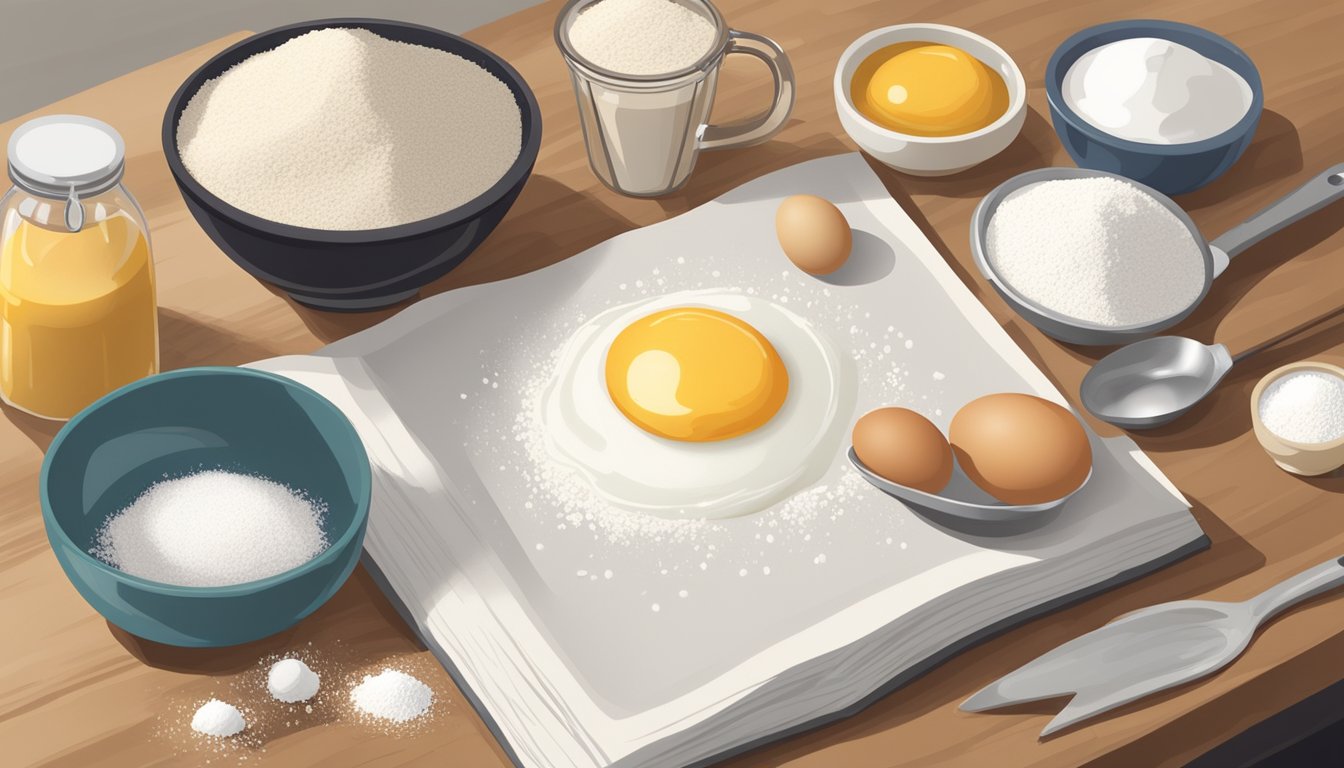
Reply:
x=66, y=156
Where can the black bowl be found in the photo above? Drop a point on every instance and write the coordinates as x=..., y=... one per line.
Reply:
x=354, y=270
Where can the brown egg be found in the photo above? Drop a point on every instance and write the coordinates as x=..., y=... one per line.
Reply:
x=905, y=448
x=813, y=233
x=1020, y=449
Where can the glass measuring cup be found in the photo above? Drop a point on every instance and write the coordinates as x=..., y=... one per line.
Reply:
x=644, y=132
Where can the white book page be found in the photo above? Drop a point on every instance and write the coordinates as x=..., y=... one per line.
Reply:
x=621, y=629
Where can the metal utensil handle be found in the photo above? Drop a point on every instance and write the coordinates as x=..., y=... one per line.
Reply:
x=767, y=124
x=1320, y=191
x=1307, y=584
x=1288, y=334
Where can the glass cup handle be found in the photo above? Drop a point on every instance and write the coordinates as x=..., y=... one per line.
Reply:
x=768, y=124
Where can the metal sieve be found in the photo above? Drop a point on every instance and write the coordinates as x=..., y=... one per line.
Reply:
x=1318, y=192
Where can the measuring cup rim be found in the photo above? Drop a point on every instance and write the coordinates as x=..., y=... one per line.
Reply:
x=598, y=72
x=1055, y=323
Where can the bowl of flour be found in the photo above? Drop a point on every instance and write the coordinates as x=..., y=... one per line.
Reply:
x=207, y=507
x=351, y=162
x=1169, y=105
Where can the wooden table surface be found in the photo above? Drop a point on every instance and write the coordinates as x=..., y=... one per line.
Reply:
x=75, y=691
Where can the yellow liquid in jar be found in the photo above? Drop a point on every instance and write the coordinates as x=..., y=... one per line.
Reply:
x=78, y=316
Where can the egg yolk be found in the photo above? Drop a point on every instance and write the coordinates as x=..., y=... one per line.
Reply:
x=927, y=89
x=695, y=374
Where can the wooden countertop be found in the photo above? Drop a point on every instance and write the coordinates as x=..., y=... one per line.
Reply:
x=77, y=691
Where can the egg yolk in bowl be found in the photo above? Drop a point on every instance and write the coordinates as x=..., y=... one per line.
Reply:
x=928, y=89
x=695, y=374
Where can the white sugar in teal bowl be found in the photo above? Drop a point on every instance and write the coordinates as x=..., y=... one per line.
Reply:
x=1298, y=415
x=207, y=507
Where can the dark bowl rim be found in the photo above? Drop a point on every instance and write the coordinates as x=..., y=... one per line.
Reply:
x=516, y=174
x=1153, y=28
x=335, y=550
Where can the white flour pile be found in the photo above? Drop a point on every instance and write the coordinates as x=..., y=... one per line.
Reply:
x=1098, y=250
x=392, y=695
x=212, y=529
x=340, y=129
x=1155, y=91
x=291, y=681
x=641, y=37
x=1306, y=407
x=217, y=718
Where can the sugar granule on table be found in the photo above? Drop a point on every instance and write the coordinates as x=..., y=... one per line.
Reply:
x=392, y=695
x=291, y=681
x=1099, y=250
x=641, y=37
x=1305, y=407
x=213, y=528
x=218, y=718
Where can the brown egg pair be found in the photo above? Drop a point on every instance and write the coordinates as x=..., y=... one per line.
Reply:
x=1019, y=448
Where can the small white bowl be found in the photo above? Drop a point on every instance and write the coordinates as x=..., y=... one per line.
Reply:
x=930, y=155
x=1309, y=459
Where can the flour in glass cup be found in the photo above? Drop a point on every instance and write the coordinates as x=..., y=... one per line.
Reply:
x=641, y=37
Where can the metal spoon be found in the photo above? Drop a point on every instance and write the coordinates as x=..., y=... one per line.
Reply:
x=1149, y=650
x=984, y=510
x=1151, y=382
x=1318, y=192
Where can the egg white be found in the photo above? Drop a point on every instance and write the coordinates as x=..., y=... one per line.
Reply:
x=639, y=471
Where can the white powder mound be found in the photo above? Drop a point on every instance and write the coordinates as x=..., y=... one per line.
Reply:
x=1098, y=250
x=392, y=695
x=291, y=681
x=340, y=129
x=1155, y=91
x=1306, y=407
x=216, y=718
x=212, y=529
x=641, y=37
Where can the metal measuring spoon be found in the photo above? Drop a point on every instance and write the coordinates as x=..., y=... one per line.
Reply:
x=1151, y=382
x=1320, y=191
x=987, y=510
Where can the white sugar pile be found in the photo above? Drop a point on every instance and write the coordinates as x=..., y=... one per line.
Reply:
x=392, y=695
x=340, y=129
x=1306, y=407
x=217, y=718
x=291, y=681
x=1098, y=250
x=212, y=529
x=641, y=37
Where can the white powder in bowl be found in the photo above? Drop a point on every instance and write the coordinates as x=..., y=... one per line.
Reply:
x=1099, y=250
x=392, y=695
x=213, y=529
x=340, y=129
x=217, y=718
x=641, y=37
x=1304, y=407
x=291, y=681
x=1155, y=91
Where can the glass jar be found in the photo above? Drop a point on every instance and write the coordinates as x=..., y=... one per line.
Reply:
x=78, y=314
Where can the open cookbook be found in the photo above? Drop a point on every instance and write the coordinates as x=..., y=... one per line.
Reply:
x=590, y=635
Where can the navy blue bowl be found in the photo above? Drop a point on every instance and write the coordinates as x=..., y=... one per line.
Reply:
x=361, y=269
x=193, y=419
x=1170, y=168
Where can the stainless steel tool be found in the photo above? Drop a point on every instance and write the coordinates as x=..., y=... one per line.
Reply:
x=1151, y=382
x=1149, y=650
x=962, y=499
x=1319, y=191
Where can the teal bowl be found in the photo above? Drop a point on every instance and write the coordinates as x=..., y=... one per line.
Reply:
x=189, y=420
